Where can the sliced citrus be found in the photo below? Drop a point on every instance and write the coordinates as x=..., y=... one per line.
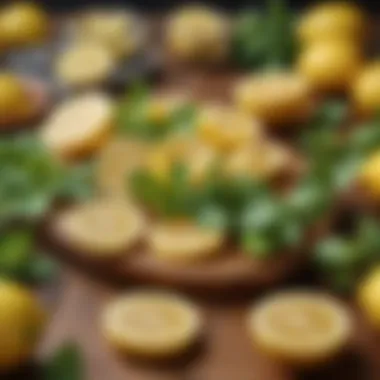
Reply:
x=84, y=64
x=118, y=159
x=184, y=242
x=102, y=227
x=300, y=327
x=79, y=126
x=151, y=324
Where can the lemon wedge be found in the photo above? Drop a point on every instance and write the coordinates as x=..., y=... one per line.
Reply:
x=151, y=324
x=79, y=126
x=101, y=227
x=184, y=242
x=303, y=328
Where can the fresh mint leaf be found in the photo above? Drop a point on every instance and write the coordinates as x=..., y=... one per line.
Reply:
x=65, y=364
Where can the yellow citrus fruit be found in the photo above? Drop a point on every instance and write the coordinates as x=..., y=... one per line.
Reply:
x=151, y=324
x=226, y=129
x=117, y=160
x=197, y=33
x=333, y=20
x=184, y=242
x=84, y=64
x=101, y=227
x=162, y=107
x=279, y=98
x=22, y=320
x=15, y=105
x=330, y=66
x=116, y=30
x=369, y=297
x=300, y=327
x=366, y=89
x=369, y=177
x=79, y=126
x=23, y=23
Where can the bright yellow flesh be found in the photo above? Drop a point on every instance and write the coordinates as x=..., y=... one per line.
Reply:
x=151, y=324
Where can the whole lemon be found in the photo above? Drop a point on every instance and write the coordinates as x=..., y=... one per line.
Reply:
x=366, y=89
x=370, y=176
x=21, y=322
x=336, y=20
x=14, y=101
x=330, y=66
x=369, y=297
x=23, y=24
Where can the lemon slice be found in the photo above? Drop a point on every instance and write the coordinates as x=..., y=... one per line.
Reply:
x=151, y=324
x=118, y=159
x=227, y=129
x=184, y=242
x=84, y=64
x=302, y=328
x=102, y=227
x=79, y=126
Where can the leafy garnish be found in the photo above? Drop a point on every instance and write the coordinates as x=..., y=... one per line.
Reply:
x=266, y=38
x=343, y=259
x=18, y=259
x=65, y=364
x=133, y=117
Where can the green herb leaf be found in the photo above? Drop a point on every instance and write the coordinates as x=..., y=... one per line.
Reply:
x=66, y=364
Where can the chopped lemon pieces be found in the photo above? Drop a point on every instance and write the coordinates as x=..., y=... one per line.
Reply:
x=102, y=227
x=117, y=160
x=227, y=129
x=151, y=324
x=79, y=126
x=303, y=328
x=184, y=242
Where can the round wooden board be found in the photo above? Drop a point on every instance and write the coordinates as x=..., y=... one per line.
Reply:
x=229, y=272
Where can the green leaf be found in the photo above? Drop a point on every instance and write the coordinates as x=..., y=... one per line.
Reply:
x=65, y=364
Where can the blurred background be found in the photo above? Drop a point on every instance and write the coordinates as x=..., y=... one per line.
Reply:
x=155, y=5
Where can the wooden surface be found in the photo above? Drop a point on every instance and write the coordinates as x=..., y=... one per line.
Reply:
x=226, y=355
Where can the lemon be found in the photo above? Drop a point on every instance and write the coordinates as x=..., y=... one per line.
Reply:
x=151, y=324
x=22, y=319
x=366, y=89
x=23, y=23
x=102, y=228
x=300, y=327
x=197, y=33
x=279, y=98
x=116, y=30
x=334, y=20
x=117, y=160
x=369, y=296
x=79, y=126
x=184, y=242
x=330, y=66
x=84, y=64
x=226, y=129
x=14, y=102
x=369, y=176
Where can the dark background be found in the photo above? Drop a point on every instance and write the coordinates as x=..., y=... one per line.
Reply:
x=156, y=5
